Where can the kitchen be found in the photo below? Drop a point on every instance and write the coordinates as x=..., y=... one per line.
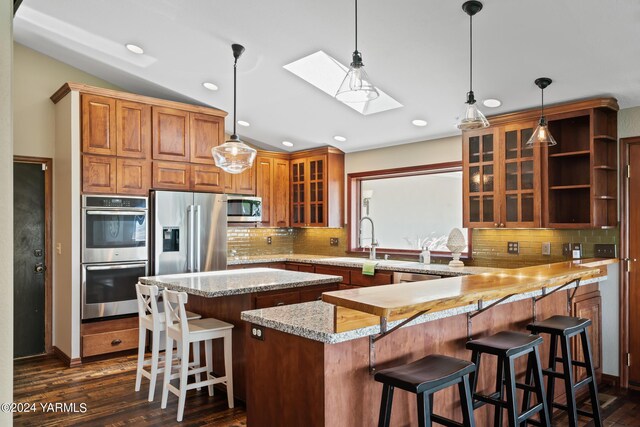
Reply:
x=283, y=239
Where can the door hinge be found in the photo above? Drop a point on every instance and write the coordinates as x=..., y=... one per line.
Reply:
x=628, y=171
x=44, y=166
x=628, y=359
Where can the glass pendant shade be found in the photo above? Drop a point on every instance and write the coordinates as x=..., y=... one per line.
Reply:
x=356, y=86
x=541, y=136
x=472, y=118
x=234, y=156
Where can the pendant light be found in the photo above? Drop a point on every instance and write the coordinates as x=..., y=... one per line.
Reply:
x=541, y=136
x=472, y=118
x=234, y=156
x=356, y=86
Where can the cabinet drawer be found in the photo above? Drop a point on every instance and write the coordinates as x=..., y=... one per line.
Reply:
x=277, y=299
x=316, y=294
x=359, y=279
x=109, y=342
x=307, y=268
x=335, y=271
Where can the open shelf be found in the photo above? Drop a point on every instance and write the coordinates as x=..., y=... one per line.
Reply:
x=606, y=137
x=606, y=168
x=570, y=187
x=605, y=197
x=571, y=153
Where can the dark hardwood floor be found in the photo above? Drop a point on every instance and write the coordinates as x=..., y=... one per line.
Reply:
x=106, y=387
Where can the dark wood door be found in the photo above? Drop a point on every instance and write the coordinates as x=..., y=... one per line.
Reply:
x=633, y=242
x=28, y=259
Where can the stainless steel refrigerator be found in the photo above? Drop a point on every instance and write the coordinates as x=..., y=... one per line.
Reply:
x=190, y=232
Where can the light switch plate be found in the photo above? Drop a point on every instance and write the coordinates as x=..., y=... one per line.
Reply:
x=605, y=250
x=513, y=248
x=566, y=249
x=546, y=248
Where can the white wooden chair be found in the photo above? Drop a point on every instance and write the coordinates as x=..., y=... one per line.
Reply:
x=194, y=331
x=151, y=318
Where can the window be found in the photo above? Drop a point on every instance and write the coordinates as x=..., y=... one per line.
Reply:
x=410, y=208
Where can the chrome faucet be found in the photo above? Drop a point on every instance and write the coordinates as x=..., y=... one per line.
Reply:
x=374, y=244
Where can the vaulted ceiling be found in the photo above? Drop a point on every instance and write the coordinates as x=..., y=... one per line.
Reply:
x=415, y=50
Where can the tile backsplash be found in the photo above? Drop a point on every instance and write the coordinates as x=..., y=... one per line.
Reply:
x=251, y=241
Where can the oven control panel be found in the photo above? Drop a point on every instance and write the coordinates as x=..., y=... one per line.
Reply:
x=114, y=202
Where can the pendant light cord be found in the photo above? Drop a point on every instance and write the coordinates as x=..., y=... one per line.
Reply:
x=542, y=104
x=235, y=66
x=356, y=1
x=470, y=53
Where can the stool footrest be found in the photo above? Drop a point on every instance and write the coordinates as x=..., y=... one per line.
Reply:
x=579, y=363
x=445, y=421
x=535, y=423
x=579, y=411
x=527, y=387
x=583, y=382
x=484, y=399
x=553, y=373
x=529, y=413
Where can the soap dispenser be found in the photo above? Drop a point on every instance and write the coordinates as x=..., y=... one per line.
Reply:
x=425, y=256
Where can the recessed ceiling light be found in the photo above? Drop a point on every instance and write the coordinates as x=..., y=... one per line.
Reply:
x=287, y=143
x=243, y=123
x=419, y=122
x=135, y=48
x=210, y=86
x=340, y=138
x=492, y=103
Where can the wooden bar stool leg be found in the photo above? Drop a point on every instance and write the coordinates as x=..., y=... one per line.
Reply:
x=539, y=385
x=465, y=402
x=593, y=387
x=184, y=373
x=228, y=367
x=155, y=356
x=497, y=422
x=142, y=337
x=209, y=356
x=168, y=365
x=424, y=410
x=196, y=361
x=512, y=402
x=567, y=367
x=551, y=380
x=526, y=395
x=385, y=406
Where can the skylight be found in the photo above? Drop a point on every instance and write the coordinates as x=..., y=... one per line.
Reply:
x=326, y=73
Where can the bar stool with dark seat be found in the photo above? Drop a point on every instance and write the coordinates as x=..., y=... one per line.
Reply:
x=425, y=377
x=509, y=346
x=562, y=328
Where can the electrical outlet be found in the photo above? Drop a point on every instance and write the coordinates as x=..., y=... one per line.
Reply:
x=566, y=249
x=269, y=241
x=334, y=241
x=513, y=248
x=576, y=250
x=257, y=332
x=605, y=250
x=546, y=248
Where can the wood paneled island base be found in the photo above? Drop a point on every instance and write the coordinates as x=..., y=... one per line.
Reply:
x=295, y=381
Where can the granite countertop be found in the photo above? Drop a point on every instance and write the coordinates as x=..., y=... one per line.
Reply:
x=354, y=262
x=234, y=282
x=314, y=320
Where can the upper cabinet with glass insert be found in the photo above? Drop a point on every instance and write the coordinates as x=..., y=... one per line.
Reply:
x=317, y=188
x=570, y=185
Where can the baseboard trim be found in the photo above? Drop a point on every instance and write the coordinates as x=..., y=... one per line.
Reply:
x=610, y=380
x=66, y=359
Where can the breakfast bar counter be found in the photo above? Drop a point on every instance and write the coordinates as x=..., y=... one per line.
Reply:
x=326, y=380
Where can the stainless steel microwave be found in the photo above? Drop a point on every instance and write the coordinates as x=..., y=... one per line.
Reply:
x=244, y=209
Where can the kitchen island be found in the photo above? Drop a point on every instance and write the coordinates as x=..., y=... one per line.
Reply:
x=325, y=378
x=225, y=294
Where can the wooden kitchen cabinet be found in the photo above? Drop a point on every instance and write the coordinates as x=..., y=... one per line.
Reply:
x=170, y=134
x=241, y=183
x=207, y=178
x=133, y=176
x=317, y=188
x=570, y=185
x=272, y=184
x=133, y=129
x=98, y=174
x=171, y=175
x=205, y=132
x=589, y=306
x=98, y=124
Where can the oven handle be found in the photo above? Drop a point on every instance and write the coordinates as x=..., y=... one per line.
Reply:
x=115, y=212
x=114, y=267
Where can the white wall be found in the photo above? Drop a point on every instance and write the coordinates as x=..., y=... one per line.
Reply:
x=6, y=209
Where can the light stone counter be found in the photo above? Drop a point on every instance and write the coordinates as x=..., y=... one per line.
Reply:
x=234, y=282
x=355, y=262
x=314, y=320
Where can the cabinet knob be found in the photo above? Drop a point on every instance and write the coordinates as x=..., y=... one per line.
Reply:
x=495, y=224
x=279, y=304
x=502, y=224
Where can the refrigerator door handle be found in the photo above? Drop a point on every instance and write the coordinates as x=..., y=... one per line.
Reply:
x=196, y=239
x=190, y=239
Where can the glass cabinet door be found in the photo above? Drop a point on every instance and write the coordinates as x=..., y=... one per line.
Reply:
x=298, y=177
x=317, y=172
x=481, y=204
x=521, y=178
